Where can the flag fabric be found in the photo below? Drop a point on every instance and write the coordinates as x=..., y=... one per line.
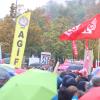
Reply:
x=88, y=60
x=22, y=24
x=89, y=29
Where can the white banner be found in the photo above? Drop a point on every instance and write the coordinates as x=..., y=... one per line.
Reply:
x=88, y=60
x=45, y=57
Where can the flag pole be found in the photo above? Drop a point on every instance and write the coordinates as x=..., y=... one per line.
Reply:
x=16, y=10
x=98, y=52
x=0, y=51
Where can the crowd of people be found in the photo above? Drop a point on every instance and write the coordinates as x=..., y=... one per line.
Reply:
x=72, y=86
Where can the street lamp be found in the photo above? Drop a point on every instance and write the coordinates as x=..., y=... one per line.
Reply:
x=13, y=10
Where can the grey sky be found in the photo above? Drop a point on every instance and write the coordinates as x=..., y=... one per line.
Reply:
x=31, y=4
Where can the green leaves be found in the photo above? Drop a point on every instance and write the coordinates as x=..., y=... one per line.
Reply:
x=7, y=27
x=46, y=24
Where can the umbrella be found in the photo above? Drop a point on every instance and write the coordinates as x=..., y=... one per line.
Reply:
x=5, y=74
x=8, y=68
x=30, y=85
x=92, y=94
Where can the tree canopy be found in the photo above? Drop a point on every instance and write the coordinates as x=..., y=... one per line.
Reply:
x=47, y=23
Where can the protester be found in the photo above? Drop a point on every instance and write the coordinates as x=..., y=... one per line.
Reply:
x=67, y=81
x=82, y=86
x=59, y=82
x=66, y=93
x=96, y=81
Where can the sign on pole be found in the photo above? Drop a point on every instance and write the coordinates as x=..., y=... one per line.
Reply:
x=22, y=24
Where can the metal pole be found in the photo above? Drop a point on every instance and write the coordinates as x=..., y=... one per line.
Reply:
x=98, y=52
x=0, y=51
x=16, y=9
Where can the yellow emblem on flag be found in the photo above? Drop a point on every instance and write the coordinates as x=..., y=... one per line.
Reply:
x=22, y=24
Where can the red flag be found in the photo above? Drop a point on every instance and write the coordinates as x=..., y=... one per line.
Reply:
x=89, y=29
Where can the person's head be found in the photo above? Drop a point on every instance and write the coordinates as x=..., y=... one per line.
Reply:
x=96, y=81
x=72, y=74
x=62, y=93
x=62, y=74
x=79, y=93
x=82, y=86
x=68, y=81
x=84, y=79
x=67, y=93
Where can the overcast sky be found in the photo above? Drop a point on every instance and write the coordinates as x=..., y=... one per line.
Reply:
x=31, y=4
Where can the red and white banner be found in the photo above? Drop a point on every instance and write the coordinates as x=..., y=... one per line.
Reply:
x=89, y=29
x=88, y=60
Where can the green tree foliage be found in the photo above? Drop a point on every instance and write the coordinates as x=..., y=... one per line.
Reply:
x=44, y=34
x=6, y=33
x=51, y=39
x=38, y=25
x=47, y=23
